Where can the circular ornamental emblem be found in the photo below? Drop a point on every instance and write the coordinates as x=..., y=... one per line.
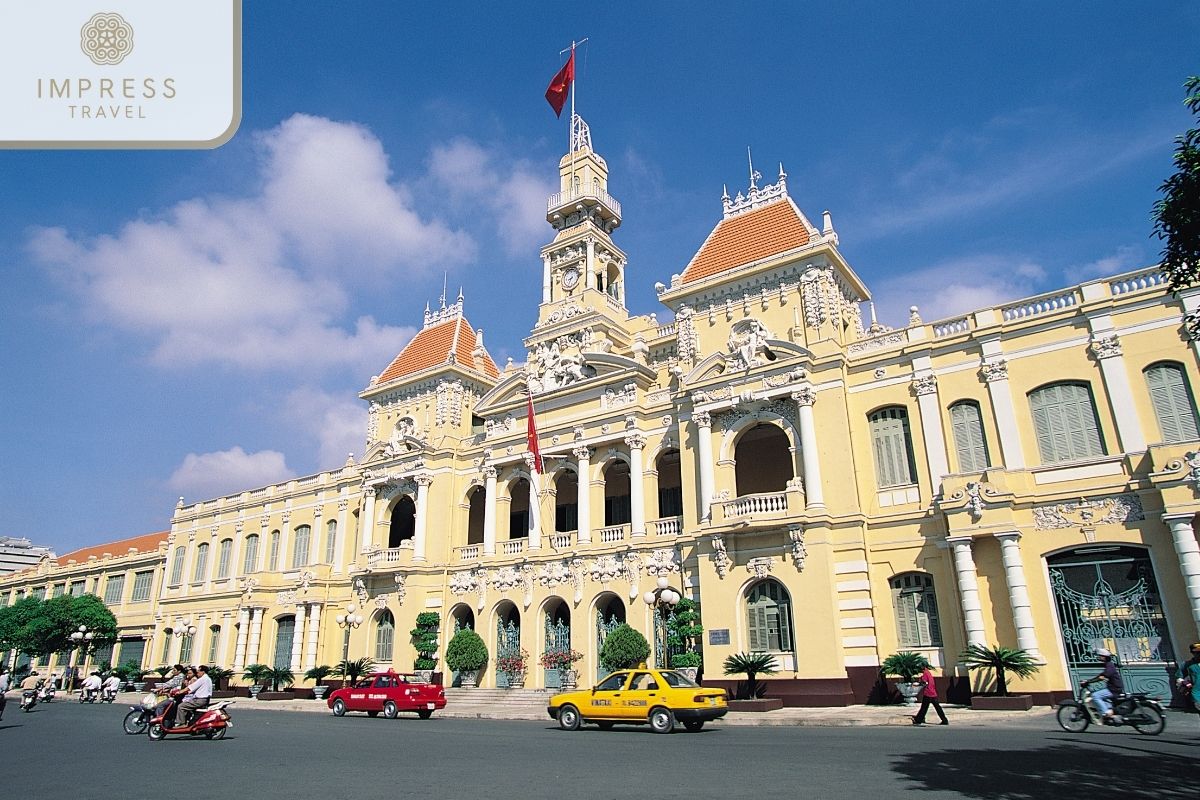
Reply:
x=106, y=38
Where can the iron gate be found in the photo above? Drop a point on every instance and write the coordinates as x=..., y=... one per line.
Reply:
x=602, y=630
x=558, y=640
x=1108, y=597
x=508, y=643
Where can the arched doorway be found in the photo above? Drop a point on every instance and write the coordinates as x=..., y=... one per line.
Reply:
x=763, y=460
x=1107, y=596
x=508, y=638
x=518, y=509
x=618, y=509
x=461, y=616
x=566, y=502
x=285, y=630
x=404, y=522
x=610, y=612
x=670, y=484
x=475, y=511
x=556, y=619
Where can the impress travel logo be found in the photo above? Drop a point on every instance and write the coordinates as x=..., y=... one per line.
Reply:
x=134, y=74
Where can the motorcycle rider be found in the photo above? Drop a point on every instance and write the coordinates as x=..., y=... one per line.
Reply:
x=1113, y=685
x=3, y=688
x=111, y=684
x=30, y=682
x=174, y=681
x=90, y=685
x=200, y=693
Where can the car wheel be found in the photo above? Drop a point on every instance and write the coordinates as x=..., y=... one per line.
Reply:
x=372, y=713
x=424, y=713
x=693, y=725
x=568, y=718
x=390, y=710
x=136, y=722
x=661, y=720
x=339, y=708
x=604, y=726
x=156, y=732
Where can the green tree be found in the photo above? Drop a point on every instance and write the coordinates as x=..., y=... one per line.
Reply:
x=466, y=651
x=1000, y=660
x=623, y=648
x=1177, y=213
x=352, y=670
x=752, y=665
x=41, y=627
x=15, y=624
x=683, y=632
x=424, y=639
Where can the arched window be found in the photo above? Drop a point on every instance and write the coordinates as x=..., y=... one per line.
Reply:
x=385, y=634
x=404, y=522
x=969, y=441
x=618, y=506
x=769, y=617
x=566, y=502
x=285, y=632
x=764, y=460
x=214, y=640
x=166, y=647
x=224, y=553
x=273, y=553
x=177, y=566
x=518, y=510
x=250, y=563
x=330, y=541
x=475, y=514
x=1172, y=401
x=915, y=602
x=1064, y=420
x=670, y=485
x=185, y=648
x=892, y=444
x=300, y=551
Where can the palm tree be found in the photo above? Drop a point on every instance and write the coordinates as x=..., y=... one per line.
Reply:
x=280, y=678
x=1001, y=660
x=752, y=664
x=257, y=674
x=353, y=670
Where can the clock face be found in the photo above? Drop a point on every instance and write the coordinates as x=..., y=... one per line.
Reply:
x=570, y=278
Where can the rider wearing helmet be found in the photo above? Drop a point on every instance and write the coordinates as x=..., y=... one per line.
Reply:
x=1113, y=685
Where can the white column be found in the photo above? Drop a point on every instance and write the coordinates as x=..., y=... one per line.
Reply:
x=1106, y=348
x=314, y=629
x=1184, y=536
x=925, y=387
x=223, y=641
x=239, y=648
x=995, y=374
x=368, y=518
x=814, y=494
x=535, y=505
x=489, y=512
x=583, y=456
x=968, y=590
x=422, y=516
x=298, y=638
x=1018, y=592
x=256, y=622
x=339, y=552
x=704, y=453
x=637, y=488
x=546, y=279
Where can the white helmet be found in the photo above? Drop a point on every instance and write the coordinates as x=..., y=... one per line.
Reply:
x=1103, y=651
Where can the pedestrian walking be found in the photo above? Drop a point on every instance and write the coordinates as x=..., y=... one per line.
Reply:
x=4, y=680
x=929, y=697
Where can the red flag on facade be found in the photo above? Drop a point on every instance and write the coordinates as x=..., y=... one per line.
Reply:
x=531, y=436
x=556, y=93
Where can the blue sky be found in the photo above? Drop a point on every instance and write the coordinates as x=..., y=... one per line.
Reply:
x=197, y=323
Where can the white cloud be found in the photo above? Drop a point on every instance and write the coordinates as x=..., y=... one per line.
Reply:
x=339, y=424
x=262, y=281
x=1123, y=259
x=957, y=286
x=213, y=474
x=511, y=189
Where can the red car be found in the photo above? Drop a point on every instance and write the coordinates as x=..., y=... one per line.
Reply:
x=390, y=693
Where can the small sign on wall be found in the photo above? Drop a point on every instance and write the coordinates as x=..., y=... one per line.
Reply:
x=718, y=636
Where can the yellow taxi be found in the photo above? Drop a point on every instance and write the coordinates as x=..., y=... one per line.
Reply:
x=643, y=696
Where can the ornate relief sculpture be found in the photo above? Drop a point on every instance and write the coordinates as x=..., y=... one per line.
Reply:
x=747, y=345
x=720, y=557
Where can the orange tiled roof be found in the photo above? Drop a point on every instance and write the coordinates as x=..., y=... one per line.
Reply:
x=748, y=237
x=143, y=544
x=431, y=347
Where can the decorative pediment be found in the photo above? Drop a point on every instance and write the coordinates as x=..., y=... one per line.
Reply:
x=593, y=371
x=746, y=351
x=399, y=446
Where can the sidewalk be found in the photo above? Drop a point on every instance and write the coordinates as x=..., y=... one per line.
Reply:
x=850, y=716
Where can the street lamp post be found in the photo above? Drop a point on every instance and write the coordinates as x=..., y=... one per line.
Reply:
x=186, y=628
x=82, y=639
x=663, y=600
x=348, y=621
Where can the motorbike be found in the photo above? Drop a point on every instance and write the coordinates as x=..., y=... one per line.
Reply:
x=139, y=716
x=107, y=695
x=212, y=721
x=29, y=698
x=46, y=693
x=1137, y=710
x=88, y=695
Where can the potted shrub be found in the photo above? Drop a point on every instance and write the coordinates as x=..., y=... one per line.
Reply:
x=131, y=672
x=466, y=654
x=257, y=674
x=905, y=665
x=351, y=670
x=424, y=639
x=514, y=665
x=220, y=677
x=752, y=665
x=564, y=662
x=279, y=679
x=623, y=648
x=318, y=674
x=683, y=633
x=1001, y=660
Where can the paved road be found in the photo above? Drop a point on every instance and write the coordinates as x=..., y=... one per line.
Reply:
x=65, y=750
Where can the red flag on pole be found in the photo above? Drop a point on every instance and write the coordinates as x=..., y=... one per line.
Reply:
x=556, y=93
x=531, y=437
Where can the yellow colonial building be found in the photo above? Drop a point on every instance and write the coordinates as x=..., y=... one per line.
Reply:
x=828, y=489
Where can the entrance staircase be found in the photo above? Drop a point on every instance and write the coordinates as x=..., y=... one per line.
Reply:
x=498, y=703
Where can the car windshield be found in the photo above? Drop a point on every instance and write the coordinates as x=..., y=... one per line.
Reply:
x=678, y=680
x=612, y=682
x=365, y=683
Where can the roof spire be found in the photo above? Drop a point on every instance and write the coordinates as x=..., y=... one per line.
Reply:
x=754, y=176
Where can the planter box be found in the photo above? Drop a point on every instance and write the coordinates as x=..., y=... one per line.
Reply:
x=1018, y=702
x=221, y=694
x=762, y=704
x=276, y=696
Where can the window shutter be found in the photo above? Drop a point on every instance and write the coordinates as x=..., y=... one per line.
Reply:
x=785, y=626
x=223, y=560
x=889, y=434
x=758, y=628
x=1064, y=419
x=251, y=560
x=1172, y=403
x=968, y=437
